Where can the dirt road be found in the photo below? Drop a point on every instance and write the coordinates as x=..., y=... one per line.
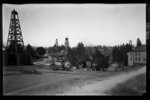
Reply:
x=75, y=82
x=99, y=87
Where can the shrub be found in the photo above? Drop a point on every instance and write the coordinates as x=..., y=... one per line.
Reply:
x=31, y=71
x=41, y=51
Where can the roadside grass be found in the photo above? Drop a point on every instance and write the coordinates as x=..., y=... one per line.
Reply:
x=133, y=87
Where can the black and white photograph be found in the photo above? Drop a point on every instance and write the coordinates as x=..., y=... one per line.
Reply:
x=72, y=49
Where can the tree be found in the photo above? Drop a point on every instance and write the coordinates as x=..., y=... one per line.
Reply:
x=76, y=54
x=41, y=51
x=88, y=53
x=81, y=51
x=71, y=56
x=117, y=53
x=50, y=50
x=128, y=48
x=55, y=48
x=31, y=51
x=139, y=43
x=101, y=60
x=62, y=47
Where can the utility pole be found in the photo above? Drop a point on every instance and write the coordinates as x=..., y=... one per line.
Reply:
x=123, y=58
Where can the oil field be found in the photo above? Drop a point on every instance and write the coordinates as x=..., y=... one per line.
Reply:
x=77, y=61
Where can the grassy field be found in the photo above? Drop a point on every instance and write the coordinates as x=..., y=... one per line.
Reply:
x=133, y=87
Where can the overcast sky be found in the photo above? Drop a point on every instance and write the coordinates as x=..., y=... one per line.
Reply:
x=92, y=24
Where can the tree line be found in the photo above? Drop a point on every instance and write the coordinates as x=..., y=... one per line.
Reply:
x=82, y=54
x=103, y=56
x=35, y=53
x=119, y=53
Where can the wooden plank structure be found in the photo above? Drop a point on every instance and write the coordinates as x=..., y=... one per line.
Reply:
x=15, y=53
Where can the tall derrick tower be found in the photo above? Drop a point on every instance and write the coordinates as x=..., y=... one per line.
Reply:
x=55, y=48
x=15, y=42
x=15, y=50
x=66, y=43
x=66, y=47
x=56, y=44
x=130, y=42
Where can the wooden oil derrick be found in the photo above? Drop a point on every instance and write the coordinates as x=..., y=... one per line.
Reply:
x=15, y=42
x=15, y=51
x=66, y=43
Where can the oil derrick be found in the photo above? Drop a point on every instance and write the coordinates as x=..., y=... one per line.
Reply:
x=15, y=40
x=56, y=44
x=66, y=47
x=66, y=43
x=130, y=42
x=15, y=50
x=55, y=48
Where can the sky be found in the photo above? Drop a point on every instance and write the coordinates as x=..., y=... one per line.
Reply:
x=91, y=24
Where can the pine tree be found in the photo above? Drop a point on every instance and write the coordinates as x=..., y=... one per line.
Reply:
x=138, y=43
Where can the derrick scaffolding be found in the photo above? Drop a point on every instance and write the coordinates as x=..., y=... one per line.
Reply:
x=15, y=51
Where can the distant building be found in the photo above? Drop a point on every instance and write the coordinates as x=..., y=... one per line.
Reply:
x=137, y=56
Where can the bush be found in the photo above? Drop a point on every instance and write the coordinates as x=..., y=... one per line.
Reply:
x=31, y=71
x=101, y=60
x=41, y=51
x=31, y=51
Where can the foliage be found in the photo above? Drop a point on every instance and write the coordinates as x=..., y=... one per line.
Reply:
x=76, y=54
x=50, y=50
x=62, y=47
x=101, y=60
x=81, y=51
x=80, y=55
x=31, y=71
x=71, y=56
x=128, y=48
x=138, y=42
x=56, y=48
x=31, y=51
x=119, y=53
x=41, y=51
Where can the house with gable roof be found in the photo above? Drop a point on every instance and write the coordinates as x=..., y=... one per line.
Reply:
x=137, y=56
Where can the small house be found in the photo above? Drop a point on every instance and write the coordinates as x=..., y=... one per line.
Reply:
x=137, y=56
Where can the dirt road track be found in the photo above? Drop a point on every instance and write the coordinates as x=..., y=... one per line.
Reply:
x=99, y=87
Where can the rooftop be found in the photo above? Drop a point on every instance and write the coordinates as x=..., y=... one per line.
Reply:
x=141, y=48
